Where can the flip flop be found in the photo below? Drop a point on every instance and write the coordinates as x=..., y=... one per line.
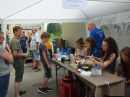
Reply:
x=35, y=68
x=39, y=69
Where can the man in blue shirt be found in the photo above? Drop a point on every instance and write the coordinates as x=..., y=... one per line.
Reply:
x=97, y=34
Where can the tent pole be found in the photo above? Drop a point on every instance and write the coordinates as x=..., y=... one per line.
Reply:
x=84, y=14
x=22, y=9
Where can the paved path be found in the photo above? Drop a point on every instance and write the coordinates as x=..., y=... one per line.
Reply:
x=32, y=80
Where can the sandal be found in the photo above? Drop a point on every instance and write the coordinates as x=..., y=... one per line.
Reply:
x=22, y=92
x=35, y=67
x=39, y=69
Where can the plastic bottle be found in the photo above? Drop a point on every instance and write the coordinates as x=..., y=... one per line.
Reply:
x=94, y=70
x=58, y=52
x=99, y=70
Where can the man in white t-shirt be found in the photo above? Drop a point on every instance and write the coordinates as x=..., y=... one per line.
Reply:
x=34, y=48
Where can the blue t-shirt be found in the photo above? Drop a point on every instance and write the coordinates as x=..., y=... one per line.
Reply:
x=7, y=40
x=42, y=48
x=96, y=53
x=98, y=35
x=23, y=40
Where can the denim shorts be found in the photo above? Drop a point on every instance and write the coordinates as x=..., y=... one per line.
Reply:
x=47, y=72
x=35, y=55
x=4, y=83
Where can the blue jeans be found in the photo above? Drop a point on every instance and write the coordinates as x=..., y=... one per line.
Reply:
x=4, y=83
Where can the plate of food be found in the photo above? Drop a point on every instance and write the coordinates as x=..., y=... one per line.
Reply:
x=85, y=67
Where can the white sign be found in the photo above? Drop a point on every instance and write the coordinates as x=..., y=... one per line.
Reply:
x=74, y=4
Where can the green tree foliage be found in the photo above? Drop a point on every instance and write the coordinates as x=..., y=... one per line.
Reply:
x=55, y=30
x=7, y=27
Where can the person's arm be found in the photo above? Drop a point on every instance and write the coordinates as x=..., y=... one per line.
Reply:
x=46, y=60
x=8, y=35
x=117, y=72
x=37, y=45
x=106, y=63
x=7, y=57
x=92, y=57
x=16, y=54
x=7, y=47
x=42, y=48
x=117, y=66
x=128, y=81
x=85, y=52
x=27, y=42
x=37, y=41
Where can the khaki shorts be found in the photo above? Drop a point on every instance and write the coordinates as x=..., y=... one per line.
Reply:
x=19, y=69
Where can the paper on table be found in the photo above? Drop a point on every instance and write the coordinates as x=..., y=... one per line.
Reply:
x=85, y=73
x=59, y=59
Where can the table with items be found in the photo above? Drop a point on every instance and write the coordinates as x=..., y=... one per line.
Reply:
x=107, y=84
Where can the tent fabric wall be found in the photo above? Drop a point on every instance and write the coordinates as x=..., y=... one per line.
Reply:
x=116, y=26
x=112, y=0
x=112, y=19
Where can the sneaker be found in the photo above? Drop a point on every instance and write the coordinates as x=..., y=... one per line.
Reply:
x=42, y=90
x=48, y=89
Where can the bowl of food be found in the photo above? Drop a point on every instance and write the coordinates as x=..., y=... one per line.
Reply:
x=88, y=63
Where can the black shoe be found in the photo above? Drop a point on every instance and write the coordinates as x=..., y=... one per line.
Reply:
x=42, y=90
x=22, y=92
x=48, y=89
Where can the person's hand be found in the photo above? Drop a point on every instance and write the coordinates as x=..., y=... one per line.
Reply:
x=9, y=52
x=36, y=49
x=49, y=66
x=91, y=58
x=127, y=81
x=25, y=55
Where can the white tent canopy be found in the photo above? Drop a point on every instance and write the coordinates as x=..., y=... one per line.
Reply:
x=52, y=11
x=110, y=15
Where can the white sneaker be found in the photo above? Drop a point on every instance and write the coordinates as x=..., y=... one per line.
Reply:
x=25, y=65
